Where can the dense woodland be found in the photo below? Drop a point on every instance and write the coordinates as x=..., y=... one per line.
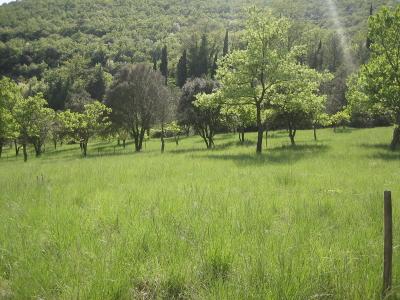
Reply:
x=74, y=56
x=57, y=46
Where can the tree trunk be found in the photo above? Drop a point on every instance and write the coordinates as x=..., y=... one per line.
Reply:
x=16, y=148
x=123, y=143
x=162, y=139
x=204, y=135
x=210, y=142
x=84, y=145
x=241, y=135
x=292, y=134
x=1, y=149
x=38, y=148
x=139, y=136
x=55, y=144
x=315, y=133
x=396, y=138
x=177, y=140
x=119, y=142
x=260, y=129
x=81, y=146
x=266, y=138
x=206, y=141
x=25, y=153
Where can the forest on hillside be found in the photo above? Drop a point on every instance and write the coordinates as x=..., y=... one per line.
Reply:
x=70, y=49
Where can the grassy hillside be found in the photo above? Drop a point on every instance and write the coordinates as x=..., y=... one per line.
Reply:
x=293, y=223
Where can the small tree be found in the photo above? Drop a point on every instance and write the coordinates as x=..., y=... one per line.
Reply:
x=94, y=120
x=341, y=118
x=57, y=133
x=43, y=129
x=174, y=129
x=204, y=120
x=10, y=93
x=32, y=118
x=239, y=117
x=297, y=97
x=319, y=119
x=122, y=134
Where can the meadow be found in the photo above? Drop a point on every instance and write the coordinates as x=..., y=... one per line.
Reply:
x=292, y=223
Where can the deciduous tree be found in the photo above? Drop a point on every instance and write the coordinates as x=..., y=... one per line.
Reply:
x=134, y=98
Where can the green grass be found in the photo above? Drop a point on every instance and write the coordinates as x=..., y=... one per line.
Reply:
x=293, y=223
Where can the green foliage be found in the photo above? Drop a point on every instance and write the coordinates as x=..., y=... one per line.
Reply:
x=204, y=119
x=33, y=120
x=138, y=98
x=378, y=83
x=94, y=120
x=297, y=99
x=10, y=94
x=268, y=75
x=341, y=118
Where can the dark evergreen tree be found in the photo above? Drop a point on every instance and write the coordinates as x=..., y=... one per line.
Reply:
x=182, y=72
x=97, y=84
x=369, y=42
x=317, y=57
x=57, y=93
x=203, y=57
x=226, y=44
x=164, y=64
x=193, y=61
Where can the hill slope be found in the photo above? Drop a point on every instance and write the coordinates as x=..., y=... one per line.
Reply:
x=37, y=34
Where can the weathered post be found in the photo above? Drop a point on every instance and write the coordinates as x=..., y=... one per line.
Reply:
x=388, y=244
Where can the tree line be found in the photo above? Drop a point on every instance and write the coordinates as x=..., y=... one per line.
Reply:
x=266, y=84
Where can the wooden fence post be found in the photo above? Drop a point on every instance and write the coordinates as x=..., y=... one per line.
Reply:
x=388, y=244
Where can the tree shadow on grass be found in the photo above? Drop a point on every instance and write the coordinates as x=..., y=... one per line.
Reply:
x=388, y=156
x=279, y=155
x=204, y=149
x=344, y=130
x=60, y=150
x=384, y=153
x=385, y=147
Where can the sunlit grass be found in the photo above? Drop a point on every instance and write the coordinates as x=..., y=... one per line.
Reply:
x=293, y=223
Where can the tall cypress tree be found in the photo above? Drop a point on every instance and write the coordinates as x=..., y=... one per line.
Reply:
x=193, y=61
x=164, y=64
x=203, y=56
x=226, y=44
x=369, y=42
x=182, y=71
x=214, y=66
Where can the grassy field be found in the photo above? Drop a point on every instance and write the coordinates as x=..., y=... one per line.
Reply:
x=293, y=223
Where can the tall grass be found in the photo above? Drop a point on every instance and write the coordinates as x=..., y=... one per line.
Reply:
x=293, y=223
